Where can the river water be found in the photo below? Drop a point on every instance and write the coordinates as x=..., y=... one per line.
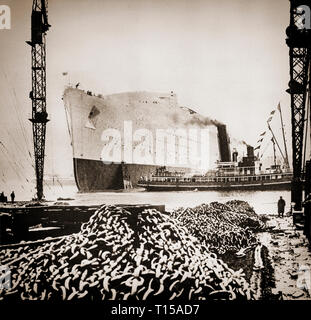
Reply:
x=264, y=202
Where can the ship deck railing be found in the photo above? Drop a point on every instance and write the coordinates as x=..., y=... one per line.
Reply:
x=220, y=179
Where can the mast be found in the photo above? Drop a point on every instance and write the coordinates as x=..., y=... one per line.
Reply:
x=274, y=156
x=284, y=139
x=275, y=141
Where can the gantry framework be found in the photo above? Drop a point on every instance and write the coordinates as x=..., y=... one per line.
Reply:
x=298, y=41
x=39, y=27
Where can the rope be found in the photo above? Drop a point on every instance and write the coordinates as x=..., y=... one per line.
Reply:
x=13, y=164
x=21, y=125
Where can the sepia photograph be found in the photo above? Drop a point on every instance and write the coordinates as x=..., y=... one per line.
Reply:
x=155, y=155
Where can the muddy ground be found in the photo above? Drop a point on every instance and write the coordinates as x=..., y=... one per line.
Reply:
x=290, y=254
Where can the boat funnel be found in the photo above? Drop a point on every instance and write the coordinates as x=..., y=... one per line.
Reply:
x=250, y=151
x=235, y=155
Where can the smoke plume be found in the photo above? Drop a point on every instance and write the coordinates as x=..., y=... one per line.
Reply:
x=203, y=122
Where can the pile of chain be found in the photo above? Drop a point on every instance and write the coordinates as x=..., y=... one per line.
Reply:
x=241, y=207
x=118, y=255
x=223, y=228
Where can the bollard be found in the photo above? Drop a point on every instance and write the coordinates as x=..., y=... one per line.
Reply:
x=4, y=224
x=20, y=226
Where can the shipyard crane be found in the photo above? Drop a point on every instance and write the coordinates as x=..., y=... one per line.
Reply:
x=39, y=28
x=299, y=43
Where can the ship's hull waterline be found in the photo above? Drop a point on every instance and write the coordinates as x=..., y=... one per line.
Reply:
x=280, y=185
x=93, y=176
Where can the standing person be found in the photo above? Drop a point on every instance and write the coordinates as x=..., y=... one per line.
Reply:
x=281, y=206
x=12, y=196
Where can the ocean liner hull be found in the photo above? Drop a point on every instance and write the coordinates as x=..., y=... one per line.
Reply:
x=115, y=139
x=95, y=175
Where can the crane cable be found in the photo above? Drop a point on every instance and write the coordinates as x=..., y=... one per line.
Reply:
x=16, y=163
x=12, y=160
x=17, y=167
x=13, y=164
x=21, y=125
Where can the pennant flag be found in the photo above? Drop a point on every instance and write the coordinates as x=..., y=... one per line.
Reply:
x=279, y=106
x=65, y=73
x=260, y=140
x=263, y=134
x=272, y=113
x=257, y=148
x=269, y=119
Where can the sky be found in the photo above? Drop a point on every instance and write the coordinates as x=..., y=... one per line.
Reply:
x=225, y=59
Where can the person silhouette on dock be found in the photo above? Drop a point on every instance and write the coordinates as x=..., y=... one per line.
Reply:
x=281, y=207
x=3, y=198
x=12, y=196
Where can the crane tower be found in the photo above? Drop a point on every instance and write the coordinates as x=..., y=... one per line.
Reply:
x=39, y=28
x=299, y=43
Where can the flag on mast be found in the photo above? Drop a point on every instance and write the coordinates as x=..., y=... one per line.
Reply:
x=279, y=106
x=272, y=112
